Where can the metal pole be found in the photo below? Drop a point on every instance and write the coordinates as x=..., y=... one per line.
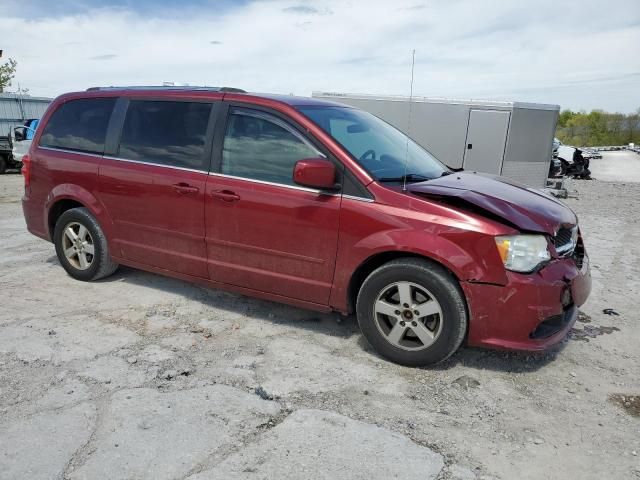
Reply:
x=406, y=159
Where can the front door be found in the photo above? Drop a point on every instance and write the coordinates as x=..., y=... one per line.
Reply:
x=154, y=187
x=262, y=230
x=486, y=138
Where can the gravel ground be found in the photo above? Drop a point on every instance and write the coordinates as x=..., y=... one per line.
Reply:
x=619, y=166
x=141, y=376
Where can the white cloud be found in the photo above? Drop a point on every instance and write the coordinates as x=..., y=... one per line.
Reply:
x=580, y=54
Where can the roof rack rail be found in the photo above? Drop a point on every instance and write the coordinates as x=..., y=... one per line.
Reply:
x=169, y=87
x=232, y=90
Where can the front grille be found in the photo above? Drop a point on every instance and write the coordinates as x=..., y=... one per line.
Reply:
x=565, y=240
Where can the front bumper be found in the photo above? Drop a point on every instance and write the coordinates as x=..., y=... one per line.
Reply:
x=532, y=311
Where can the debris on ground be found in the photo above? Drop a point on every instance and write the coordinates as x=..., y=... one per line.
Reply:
x=610, y=311
x=583, y=317
x=631, y=403
x=262, y=393
x=466, y=382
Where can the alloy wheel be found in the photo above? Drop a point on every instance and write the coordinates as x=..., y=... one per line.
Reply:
x=408, y=316
x=78, y=246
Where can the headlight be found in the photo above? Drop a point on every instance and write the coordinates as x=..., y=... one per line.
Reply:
x=522, y=253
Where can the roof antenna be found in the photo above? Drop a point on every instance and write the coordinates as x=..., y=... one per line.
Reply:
x=406, y=157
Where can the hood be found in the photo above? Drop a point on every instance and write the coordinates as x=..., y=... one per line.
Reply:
x=523, y=207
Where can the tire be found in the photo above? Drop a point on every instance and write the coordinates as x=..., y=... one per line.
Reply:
x=444, y=326
x=3, y=164
x=96, y=265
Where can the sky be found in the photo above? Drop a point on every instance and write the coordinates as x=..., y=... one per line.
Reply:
x=580, y=54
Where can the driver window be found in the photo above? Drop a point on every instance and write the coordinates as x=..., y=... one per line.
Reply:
x=261, y=147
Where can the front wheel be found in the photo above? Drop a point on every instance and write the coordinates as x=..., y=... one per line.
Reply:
x=81, y=246
x=412, y=312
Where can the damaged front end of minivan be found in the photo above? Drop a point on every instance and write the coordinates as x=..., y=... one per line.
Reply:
x=547, y=268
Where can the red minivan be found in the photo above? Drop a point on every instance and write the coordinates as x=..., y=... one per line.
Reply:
x=305, y=202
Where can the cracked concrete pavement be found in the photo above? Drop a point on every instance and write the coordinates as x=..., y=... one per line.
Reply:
x=140, y=376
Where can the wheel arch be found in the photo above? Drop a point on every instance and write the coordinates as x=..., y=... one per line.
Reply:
x=377, y=260
x=67, y=196
x=57, y=209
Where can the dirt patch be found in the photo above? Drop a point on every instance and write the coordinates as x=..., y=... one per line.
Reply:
x=590, y=331
x=630, y=403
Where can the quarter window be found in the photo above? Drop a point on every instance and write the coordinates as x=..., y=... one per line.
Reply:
x=79, y=125
x=261, y=147
x=167, y=133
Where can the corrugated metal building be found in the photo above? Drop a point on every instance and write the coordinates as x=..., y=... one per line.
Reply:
x=15, y=109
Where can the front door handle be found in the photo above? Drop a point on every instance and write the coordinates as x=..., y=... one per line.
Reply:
x=185, y=188
x=225, y=195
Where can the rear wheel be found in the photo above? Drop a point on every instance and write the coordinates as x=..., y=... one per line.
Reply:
x=81, y=246
x=3, y=164
x=412, y=312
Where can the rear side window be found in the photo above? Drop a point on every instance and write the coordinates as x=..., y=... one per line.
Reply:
x=262, y=147
x=79, y=125
x=166, y=133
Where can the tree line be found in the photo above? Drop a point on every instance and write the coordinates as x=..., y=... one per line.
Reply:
x=7, y=72
x=598, y=128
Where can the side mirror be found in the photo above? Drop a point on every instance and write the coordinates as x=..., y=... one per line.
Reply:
x=316, y=173
x=19, y=134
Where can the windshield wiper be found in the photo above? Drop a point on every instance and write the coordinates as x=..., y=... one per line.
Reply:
x=409, y=177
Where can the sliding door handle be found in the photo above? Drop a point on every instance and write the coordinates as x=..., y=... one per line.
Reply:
x=185, y=188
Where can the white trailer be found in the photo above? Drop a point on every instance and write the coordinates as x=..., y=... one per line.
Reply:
x=513, y=139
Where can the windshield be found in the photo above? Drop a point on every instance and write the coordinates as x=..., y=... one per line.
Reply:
x=380, y=148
